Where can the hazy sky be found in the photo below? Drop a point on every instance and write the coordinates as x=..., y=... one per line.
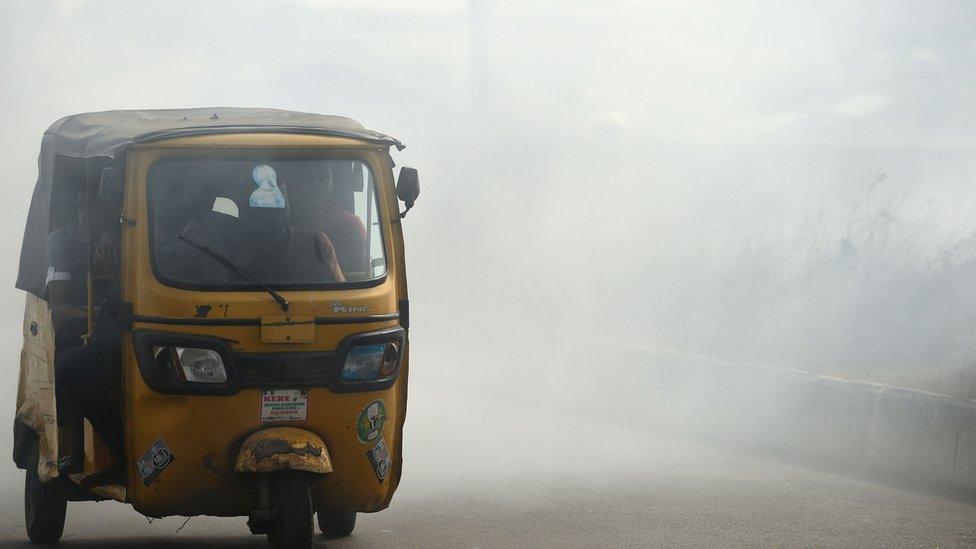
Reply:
x=566, y=81
x=854, y=73
x=695, y=174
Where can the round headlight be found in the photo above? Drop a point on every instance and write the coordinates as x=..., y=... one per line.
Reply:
x=390, y=354
x=371, y=362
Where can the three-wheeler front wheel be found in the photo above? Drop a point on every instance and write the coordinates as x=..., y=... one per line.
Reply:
x=291, y=504
x=45, y=505
x=337, y=525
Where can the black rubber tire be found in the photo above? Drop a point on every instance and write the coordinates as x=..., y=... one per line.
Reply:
x=291, y=504
x=337, y=525
x=45, y=505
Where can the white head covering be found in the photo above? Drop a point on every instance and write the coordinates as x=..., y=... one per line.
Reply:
x=226, y=206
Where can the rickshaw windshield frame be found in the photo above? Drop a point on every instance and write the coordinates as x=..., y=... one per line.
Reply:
x=300, y=154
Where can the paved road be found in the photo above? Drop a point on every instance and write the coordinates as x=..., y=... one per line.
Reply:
x=489, y=473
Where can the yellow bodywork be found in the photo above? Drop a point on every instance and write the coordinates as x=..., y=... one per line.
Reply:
x=206, y=434
x=287, y=329
x=283, y=448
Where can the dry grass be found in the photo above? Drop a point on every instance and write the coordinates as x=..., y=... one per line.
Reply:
x=881, y=288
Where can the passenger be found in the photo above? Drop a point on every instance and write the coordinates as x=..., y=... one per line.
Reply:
x=216, y=228
x=67, y=264
x=88, y=378
x=343, y=227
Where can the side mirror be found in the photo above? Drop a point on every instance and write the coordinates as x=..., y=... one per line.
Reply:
x=408, y=187
x=111, y=188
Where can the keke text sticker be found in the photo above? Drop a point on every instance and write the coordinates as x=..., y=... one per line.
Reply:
x=284, y=405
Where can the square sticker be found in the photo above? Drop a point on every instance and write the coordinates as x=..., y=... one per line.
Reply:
x=284, y=405
x=154, y=461
x=379, y=458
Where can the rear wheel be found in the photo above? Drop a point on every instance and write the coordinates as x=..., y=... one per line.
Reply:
x=292, y=508
x=45, y=505
x=337, y=525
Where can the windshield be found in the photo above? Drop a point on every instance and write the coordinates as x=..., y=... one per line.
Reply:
x=286, y=223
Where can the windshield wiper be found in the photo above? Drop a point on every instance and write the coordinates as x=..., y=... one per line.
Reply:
x=234, y=268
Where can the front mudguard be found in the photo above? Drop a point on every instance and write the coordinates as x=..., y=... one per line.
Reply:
x=283, y=449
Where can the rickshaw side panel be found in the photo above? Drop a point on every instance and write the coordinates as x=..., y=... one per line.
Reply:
x=36, y=405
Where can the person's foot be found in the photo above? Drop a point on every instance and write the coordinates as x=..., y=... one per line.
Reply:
x=113, y=474
x=71, y=464
x=71, y=444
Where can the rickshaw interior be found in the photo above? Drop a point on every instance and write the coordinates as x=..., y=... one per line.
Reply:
x=77, y=202
x=84, y=220
x=217, y=196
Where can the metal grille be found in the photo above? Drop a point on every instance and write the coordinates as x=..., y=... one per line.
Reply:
x=292, y=370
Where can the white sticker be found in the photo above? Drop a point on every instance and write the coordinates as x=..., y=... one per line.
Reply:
x=267, y=195
x=284, y=405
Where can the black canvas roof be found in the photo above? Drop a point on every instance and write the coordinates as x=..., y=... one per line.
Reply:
x=104, y=135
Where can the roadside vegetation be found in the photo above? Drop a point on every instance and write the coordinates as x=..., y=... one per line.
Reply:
x=859, y=264
x=879, y=288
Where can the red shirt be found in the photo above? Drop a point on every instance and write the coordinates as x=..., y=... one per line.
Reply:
x=348, y=236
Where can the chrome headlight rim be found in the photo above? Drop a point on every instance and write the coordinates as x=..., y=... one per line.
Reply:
x=395, y=336
x=370, y=362
x=147, y=344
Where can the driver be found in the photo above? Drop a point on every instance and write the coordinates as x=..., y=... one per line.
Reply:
x=278, y=251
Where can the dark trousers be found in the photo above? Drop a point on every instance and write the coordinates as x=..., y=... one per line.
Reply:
x=86, y=379
x=68, y=335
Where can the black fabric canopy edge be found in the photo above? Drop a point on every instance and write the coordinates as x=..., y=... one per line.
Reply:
x=109, y=133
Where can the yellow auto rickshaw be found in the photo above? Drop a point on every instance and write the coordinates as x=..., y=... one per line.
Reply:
x=261, y=319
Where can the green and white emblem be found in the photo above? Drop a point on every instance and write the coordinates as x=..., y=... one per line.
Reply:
x=369, y=424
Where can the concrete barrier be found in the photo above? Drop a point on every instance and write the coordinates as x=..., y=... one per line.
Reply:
x=912, y=434
x=964, y=471
x=915, y=433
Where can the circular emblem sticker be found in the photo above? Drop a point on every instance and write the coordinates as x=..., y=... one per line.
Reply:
x=370, y=422
x=160, y=458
